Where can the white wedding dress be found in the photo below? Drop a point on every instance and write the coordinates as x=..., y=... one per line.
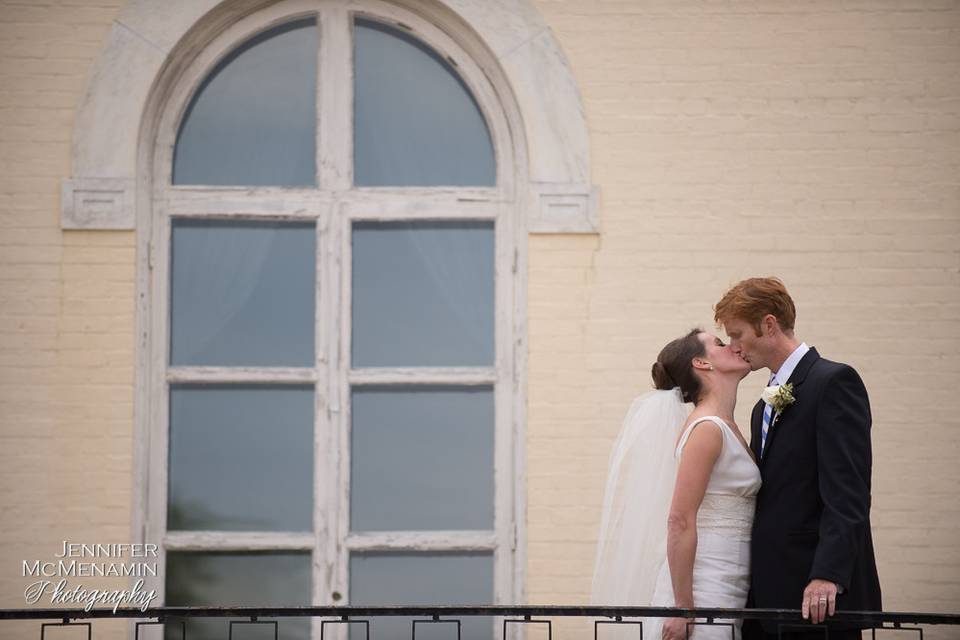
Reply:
x=721, y=570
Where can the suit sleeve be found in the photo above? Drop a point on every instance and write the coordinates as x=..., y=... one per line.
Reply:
x=844, y=465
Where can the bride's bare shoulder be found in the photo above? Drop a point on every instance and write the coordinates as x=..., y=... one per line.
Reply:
x=694, y=429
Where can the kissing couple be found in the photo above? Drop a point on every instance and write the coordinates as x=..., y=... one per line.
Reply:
x=693, y=517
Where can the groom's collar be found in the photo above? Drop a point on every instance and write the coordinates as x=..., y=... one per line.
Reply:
x=786, y=369
x=803, y=367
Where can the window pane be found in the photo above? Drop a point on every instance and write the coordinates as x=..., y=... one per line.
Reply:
x=422, y=579
x=253, y=119
x=421, y=458
x=423, y=294
x=241, y=458
x=415, y=121
x=242, y=293
x=267, y=579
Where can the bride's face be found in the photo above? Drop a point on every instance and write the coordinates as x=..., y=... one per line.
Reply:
x=724, y=360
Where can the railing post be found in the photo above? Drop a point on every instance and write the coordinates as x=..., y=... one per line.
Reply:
x=895, y=627
x=436, y=620
x=345, y=620
x=253, y=620
x=66, y=623
x=183, y=628
x=528, y=620
x=618, y=620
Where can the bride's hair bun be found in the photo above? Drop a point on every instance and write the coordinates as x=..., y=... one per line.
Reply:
x=661, y=377
x=677, y=357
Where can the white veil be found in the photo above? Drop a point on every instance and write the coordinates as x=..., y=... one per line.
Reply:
x=640, y=480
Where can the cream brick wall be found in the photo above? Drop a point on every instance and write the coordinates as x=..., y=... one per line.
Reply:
x=819, y=141
x=66, y=312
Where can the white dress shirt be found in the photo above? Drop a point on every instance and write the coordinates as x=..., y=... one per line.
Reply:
x=782, y=376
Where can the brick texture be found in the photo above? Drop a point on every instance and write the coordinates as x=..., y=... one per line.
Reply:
x=66, y=313
x=818, y=141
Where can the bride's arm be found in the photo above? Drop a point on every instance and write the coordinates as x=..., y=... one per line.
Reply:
x=696, y=463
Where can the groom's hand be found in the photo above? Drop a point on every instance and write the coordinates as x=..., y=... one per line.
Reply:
x=819, y=600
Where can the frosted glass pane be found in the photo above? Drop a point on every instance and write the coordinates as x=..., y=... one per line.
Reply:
x=415, y=121
x=253, y=119
x=423, y=294
x=421, y=458
x=263, y=579
x=242, y=293
x=422, y=579
x=241, y=458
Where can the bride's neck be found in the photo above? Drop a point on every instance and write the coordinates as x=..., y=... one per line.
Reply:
x=719, y=400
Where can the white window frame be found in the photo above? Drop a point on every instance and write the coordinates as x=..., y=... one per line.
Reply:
x=335, y=204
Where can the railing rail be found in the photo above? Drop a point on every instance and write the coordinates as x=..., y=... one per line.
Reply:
x=872, y=617
x=786, y=618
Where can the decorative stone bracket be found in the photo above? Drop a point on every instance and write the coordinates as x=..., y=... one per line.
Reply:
x=564, y=208
x=98, y=203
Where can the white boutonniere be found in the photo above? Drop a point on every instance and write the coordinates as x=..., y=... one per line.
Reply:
x=779, y=396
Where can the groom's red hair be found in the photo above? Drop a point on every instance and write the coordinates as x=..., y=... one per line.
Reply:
x=752, y=299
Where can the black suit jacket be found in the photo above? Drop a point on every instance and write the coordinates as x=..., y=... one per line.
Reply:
x=813, y=510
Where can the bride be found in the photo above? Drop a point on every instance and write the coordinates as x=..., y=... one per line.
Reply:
x=680, y=494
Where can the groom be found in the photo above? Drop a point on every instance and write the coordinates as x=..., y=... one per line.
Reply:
x=811, y=547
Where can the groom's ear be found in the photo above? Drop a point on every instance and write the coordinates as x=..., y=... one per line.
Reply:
x=769, y=325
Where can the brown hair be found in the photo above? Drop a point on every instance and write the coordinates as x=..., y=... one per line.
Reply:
x=752, y=299
x=674, y=366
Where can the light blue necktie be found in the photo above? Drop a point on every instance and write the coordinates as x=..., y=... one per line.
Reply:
x=767, y=418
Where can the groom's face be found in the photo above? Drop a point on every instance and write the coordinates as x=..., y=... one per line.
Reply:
x=746, y=343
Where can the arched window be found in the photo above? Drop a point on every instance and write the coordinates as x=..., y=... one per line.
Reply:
x=333, y=265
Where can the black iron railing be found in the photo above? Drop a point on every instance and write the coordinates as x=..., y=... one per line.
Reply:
x=787, y=620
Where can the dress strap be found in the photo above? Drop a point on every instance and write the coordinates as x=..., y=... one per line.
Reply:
x=686, y=434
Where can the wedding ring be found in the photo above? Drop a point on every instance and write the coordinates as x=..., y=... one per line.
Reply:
x=823, y=598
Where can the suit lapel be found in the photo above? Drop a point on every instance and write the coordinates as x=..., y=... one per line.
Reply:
x=756, y=424
x=796, y=379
